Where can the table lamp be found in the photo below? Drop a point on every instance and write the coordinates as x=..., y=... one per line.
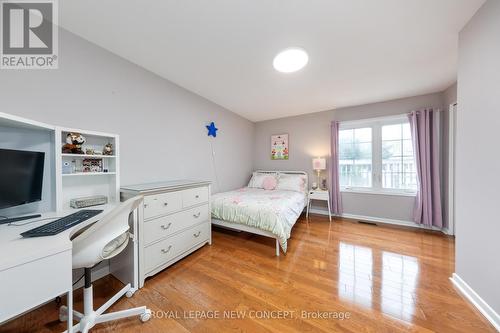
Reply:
x=318, y=165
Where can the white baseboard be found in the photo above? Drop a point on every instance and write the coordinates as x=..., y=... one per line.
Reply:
x=483, y=307
x=381, y=220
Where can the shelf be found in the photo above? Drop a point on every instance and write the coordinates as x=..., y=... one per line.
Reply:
x=65, y=130
x=88, y=156
x=18, y=122
x=88, y=174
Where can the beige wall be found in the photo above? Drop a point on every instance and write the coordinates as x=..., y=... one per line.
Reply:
x=478, y=161
x=161, y=126
x=310, y=137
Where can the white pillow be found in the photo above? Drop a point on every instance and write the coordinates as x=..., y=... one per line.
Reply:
x=258, y=178
x=290, y=182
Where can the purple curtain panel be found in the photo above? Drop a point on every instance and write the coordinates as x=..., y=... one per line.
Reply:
x=335, y=198
x=424, y=130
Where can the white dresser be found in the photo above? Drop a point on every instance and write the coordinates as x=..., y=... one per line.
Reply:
x=173, y=222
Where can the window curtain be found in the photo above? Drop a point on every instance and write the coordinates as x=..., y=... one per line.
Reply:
x=424, y=126
x=335, y=198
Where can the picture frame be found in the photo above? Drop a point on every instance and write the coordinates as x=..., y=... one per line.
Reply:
x=279, y=147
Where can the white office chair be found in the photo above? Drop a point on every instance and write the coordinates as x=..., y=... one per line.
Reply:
x=103, y=240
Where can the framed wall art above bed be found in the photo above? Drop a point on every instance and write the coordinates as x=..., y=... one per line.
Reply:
x=279, y=147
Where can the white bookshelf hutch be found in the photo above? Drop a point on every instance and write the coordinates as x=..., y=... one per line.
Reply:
x=83, y=184
x=58, y=188
x=25, y=134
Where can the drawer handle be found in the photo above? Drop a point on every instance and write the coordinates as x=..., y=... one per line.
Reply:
x=167, y=250
x=165, y=227
x=197, y=215
x=197, y=234
x=145, y=205
x=197, y=196
x=165, y=204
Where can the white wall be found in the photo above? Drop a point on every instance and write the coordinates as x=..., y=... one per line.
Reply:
x=161, y=126
x=478, y=158
x=310, y=137
x=450, y=94
x=449, y=97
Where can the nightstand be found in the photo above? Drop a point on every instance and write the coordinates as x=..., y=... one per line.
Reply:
x=319, y=195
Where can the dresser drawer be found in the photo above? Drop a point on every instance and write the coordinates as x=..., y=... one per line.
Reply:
x=160, y=204
x=318, y=195
x=166, y=250
x=194, y=196
x=166, y=225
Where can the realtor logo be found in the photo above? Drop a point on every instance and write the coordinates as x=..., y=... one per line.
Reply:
x=29, y=34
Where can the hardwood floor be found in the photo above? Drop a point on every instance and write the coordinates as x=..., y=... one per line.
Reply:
x=385, y=279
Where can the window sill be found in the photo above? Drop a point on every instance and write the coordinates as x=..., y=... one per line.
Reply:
x=379, y=192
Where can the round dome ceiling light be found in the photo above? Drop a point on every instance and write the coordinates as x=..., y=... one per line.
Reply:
x=290, y=60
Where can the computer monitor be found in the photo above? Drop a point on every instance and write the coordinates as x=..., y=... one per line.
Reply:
x=21, y=177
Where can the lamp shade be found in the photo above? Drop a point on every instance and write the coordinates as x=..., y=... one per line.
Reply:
x=319, y=163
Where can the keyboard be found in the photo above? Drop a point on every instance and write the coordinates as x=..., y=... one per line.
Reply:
x=58, y=226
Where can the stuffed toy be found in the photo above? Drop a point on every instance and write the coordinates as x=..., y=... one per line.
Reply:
x=108, y=149
x=74, y=142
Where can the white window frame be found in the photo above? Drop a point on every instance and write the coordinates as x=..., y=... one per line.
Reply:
x=376, y=125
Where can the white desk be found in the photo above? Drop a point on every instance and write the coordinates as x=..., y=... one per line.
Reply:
x=34, y=271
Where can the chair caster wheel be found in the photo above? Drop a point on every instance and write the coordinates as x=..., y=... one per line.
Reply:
x=146, y=316
x=63, y=313
x=130, y=293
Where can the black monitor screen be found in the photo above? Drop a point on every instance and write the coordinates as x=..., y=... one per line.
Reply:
x=21, y=177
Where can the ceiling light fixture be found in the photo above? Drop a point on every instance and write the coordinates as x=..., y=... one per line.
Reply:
x=290, y=60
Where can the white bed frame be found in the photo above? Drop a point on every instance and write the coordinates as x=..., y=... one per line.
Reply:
x=241, y=227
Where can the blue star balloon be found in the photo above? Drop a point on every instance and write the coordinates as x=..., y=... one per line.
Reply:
x=212, y=130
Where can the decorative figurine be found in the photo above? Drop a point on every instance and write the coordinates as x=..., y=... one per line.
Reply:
x=108, y=149
x=73, y=145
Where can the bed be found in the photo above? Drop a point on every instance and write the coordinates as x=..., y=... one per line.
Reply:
x=270, y=213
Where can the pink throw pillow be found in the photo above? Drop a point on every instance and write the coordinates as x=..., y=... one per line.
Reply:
x=269, y=183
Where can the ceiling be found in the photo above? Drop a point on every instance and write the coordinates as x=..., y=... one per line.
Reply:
x=360, y=51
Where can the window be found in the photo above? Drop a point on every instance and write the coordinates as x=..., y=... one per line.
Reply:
x=398, y=164
x=356, y=157
x=377, y=155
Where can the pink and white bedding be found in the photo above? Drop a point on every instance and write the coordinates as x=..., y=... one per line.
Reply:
x=275, y=211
